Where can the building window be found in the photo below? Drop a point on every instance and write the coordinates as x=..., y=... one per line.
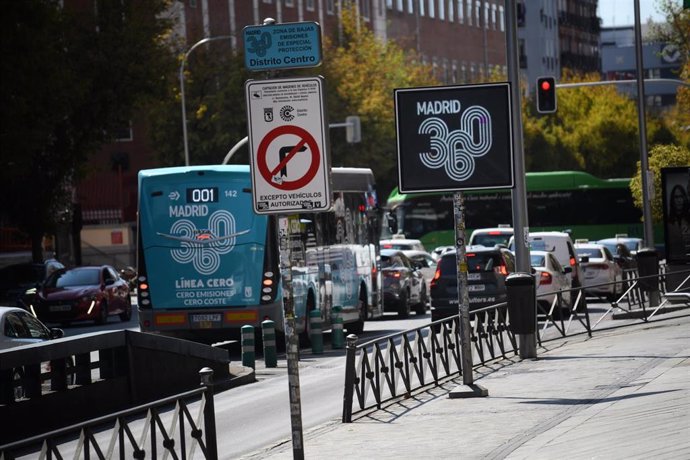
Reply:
x=487, y=10
x=450, y=10
x=366, y=9
x=493, y=16
x=389, y=4
x=432, y=8
x=469, y=12
x=124, y=133
x=290, y=3
x=330, y=6
x=399, y=5
x=501, y=19
x=421, y=7
x=442, y=10
x=310, y=5
x=192, y=3
x=410, y=6
x=461, y=11
x=477, y=13
x=454, y=73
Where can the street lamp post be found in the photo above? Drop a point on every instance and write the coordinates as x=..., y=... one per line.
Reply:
x=182, y=96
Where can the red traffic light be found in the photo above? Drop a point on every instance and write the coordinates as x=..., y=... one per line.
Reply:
x=546, y=94
x=545, y=85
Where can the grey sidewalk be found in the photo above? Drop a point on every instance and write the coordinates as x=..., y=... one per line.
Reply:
x=624, y=393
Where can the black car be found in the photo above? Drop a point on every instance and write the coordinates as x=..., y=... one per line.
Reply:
x=487, y=269
x=403, y=284
x=16, y=279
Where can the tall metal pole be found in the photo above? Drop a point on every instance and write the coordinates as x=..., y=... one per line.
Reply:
x=644, y=163
x=527, y=342
x=182, y=94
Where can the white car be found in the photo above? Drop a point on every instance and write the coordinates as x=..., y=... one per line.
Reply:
x=491, y=236
x=19, y=327
x=426, y=264
x=551, y=278
x=402, y=244
x=599, y=267
x=439, y=250
x=562, y=247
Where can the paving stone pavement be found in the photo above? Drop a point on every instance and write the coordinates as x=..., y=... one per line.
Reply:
x=622, y=394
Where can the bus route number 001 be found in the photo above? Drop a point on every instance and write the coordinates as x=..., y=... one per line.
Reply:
x=202, y=195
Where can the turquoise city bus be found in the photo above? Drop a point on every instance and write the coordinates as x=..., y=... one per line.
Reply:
x=208, y=265
x=585, y=205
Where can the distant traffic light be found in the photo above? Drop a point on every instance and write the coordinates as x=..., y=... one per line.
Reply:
x=546, y=95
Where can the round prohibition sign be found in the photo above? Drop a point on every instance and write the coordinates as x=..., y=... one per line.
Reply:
x=304, y=139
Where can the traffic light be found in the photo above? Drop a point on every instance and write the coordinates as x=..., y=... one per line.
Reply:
x=546, y=95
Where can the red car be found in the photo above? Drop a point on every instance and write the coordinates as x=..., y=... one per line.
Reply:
x=82, y=293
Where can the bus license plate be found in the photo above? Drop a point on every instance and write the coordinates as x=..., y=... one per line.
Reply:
x=476, y=287
x=205, y=321
x=60, y=308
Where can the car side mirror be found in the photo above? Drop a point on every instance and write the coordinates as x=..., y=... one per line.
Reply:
x=56, y=333
x=584, y=259
x=567, y=270
x=109, y=282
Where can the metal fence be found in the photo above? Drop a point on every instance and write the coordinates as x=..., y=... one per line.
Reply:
x=147, y=431
x=394, y=366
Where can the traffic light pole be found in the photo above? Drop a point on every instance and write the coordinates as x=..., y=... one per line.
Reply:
x=527, y=342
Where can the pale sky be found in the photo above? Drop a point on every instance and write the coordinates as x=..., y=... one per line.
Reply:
x=622, y=12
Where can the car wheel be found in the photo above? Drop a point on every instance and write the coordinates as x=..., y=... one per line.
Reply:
x=420, y=308
x=127, y=314
x=102, y=313
x=404, y=304
x=358, y=326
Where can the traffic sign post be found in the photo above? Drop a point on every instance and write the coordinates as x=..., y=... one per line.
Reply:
x=288, y=144
x=456, y=138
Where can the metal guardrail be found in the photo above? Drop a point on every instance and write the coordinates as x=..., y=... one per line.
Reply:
x=137, y=433
x=394, y=366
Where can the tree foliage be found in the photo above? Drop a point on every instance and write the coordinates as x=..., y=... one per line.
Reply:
x=595, y=129
x=362, y=72
x=661, y=156
x=216, y=109
x=71, y=78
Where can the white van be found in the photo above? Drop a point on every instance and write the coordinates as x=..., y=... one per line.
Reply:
x=562, y=247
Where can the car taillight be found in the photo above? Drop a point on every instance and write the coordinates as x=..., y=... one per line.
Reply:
x=392, y=274
x=573, y=261
x=545, y=278
x=437, y=275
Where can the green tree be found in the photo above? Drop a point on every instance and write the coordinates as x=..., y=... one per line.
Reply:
x=361, y=72
x=661, y=156
x=595, y=129
x=71, y=78
x=216, y=108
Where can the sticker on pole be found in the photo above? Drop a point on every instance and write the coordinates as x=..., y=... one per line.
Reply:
x=288, y=145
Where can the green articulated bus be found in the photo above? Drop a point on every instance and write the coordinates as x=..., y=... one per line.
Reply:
x=574, y=201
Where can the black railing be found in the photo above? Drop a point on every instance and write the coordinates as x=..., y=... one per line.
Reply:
x=147, y=431
x=394, y=366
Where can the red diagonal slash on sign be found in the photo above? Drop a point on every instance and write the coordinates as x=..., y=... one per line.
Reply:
x=276, y=136
x=289, y=156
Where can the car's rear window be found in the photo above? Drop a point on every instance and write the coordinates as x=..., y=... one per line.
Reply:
x=489, y=240
x=477, y=262
x=589, y=252
x=538, y=261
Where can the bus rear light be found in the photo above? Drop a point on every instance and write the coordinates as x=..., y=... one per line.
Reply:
x=143, y=286
x=268, y=275
x=266, y=298
x=266, y=290
x=144, y=293
x=268, y=282
x=146, y=302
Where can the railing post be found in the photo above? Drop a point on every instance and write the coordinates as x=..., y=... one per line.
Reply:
x=350, y=371
x=206, y=375
x=268, y=329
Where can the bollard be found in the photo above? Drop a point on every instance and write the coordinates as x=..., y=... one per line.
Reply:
x=315, y=332
x=337, y=334
x=206, y=375
x=268, y=329
x=248, y=355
